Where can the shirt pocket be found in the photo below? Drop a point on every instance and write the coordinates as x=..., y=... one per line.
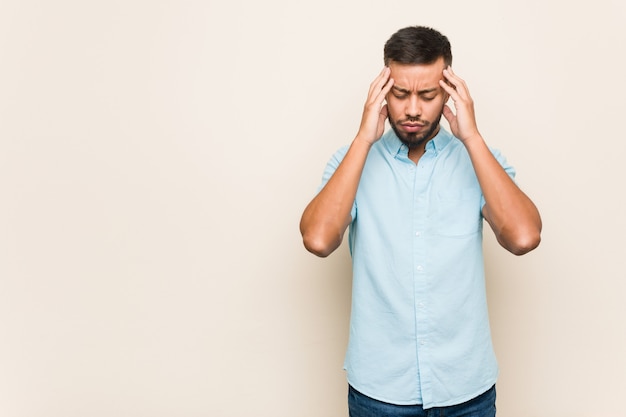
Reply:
x=456, y=213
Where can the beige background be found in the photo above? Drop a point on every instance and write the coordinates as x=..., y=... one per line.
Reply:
x=155, y=157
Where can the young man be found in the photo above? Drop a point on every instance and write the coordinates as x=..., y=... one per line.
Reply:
x=414, y=198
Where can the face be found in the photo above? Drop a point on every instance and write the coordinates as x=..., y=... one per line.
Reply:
x=415, y=102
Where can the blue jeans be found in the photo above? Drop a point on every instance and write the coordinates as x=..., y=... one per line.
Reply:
x=363, y=406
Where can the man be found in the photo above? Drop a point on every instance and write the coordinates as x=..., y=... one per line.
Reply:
x=414, y=198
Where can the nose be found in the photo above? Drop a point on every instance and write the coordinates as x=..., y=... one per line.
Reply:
x=413, y=108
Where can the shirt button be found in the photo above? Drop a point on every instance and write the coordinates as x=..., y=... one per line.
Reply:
x=420, y=268
x=417, y=234
x=422, y=342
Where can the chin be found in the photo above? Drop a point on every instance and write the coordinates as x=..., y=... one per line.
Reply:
x=413, y=140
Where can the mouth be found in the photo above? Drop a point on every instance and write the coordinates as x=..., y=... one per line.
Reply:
x=413, y=127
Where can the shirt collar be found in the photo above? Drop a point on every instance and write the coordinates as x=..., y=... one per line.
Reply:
x=395, y=146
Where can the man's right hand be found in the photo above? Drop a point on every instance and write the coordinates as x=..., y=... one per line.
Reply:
x=375, y=113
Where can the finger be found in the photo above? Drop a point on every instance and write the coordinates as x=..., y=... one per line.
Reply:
x=376, y=80
x=459, y=84
x=451, y=90
x=385, y=90
x=451, y=75
x=379, y=82
x=377, y=97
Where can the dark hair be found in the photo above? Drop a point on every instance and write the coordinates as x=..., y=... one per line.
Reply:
x=417, y=45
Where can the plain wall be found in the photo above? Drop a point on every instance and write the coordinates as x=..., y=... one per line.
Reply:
x=156, y=156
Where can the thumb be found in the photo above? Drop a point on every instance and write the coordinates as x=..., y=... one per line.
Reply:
x=383, y=114
x=448, y=114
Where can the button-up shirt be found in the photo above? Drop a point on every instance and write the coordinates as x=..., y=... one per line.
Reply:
x=419, y=326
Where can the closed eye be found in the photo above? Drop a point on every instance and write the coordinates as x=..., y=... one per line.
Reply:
x=400, y=92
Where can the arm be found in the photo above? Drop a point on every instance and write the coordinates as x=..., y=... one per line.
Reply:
x=512, y=216
x=327, y=216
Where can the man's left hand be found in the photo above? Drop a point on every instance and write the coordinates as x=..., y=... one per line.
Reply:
x=463, y=123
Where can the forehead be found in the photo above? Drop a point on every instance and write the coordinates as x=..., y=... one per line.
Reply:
x=417, y=76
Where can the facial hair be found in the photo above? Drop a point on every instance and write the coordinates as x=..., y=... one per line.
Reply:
x=416, y=139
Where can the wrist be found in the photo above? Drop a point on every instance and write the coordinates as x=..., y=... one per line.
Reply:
x=364, y=140
x=473, y=140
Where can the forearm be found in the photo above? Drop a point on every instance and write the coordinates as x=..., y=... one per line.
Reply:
x=327, y=216
x=511, y=214
x=513, y=217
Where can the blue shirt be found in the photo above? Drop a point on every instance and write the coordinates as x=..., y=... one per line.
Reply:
x=419, y=327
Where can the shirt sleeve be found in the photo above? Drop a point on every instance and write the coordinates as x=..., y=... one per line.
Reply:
x=505, y=165
x=330, y=169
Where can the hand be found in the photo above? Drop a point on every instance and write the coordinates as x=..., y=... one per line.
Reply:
x=375, y=113
x=463, y=124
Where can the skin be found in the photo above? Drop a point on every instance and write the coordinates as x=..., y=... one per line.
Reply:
x=416, y=97
x=415, y=104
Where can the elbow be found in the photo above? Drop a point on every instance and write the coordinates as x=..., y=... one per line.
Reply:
x=523, y=242
x=523, y=247
x=318, y=246
x=319, y=243
x=321, y=237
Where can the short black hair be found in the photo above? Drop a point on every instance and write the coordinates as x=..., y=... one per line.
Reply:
x=417, y=45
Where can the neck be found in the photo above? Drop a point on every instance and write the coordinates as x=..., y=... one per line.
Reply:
x=416, y=153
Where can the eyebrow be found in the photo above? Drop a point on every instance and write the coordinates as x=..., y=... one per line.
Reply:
x=421, y=92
